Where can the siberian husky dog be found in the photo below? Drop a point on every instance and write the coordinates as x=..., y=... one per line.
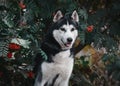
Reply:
x=58, y=46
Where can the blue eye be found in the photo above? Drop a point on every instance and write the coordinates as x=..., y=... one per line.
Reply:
x=63, y=29
x=72, y=29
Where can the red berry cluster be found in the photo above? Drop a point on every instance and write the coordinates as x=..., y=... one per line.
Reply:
x=13, y=47
x=9, y=55
x=90, y=28
x=22, y=5
x=30, y=74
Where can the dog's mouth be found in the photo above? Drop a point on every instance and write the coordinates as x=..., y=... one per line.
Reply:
x=68, y=44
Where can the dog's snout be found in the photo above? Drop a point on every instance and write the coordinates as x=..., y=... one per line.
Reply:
x=69, y=39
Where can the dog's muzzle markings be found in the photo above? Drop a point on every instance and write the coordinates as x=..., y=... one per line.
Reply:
x=58, y=46
x=66, y=44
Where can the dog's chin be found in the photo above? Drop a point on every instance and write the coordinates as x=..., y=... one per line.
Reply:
x=67, y=44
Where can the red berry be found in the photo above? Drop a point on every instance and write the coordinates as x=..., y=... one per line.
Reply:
x=9, y=55
x=30, y=74
x=90, y=28
x=22, y=6
x=14, y=46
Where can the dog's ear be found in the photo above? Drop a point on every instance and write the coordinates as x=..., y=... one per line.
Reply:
x=75, y=16
x=57, y=16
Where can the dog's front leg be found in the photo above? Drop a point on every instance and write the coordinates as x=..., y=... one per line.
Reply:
x=39, y=82
x=64, y=83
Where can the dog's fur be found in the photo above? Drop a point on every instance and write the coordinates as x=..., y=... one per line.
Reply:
x=58, y=46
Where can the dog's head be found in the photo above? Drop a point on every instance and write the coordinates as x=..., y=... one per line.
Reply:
x=65, y=29
x=65, y=32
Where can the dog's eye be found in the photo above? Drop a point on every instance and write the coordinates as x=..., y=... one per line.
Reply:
x=72, y=29
x=62, y=29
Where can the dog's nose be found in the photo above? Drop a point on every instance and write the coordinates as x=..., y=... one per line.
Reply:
x=69, y=39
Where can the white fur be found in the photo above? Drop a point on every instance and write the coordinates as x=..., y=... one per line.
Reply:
x=75, y=16
x=63, y=65
x=61, y=36
x=57, y=16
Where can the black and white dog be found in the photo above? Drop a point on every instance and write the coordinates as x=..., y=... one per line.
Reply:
x=58, y=46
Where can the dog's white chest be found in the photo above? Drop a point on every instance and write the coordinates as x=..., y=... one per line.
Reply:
x=63, y=62
x=63, y=58
x=62, y=65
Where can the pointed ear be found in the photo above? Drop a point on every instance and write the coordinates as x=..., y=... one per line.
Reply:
x=57, y=16
x=75, y=16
